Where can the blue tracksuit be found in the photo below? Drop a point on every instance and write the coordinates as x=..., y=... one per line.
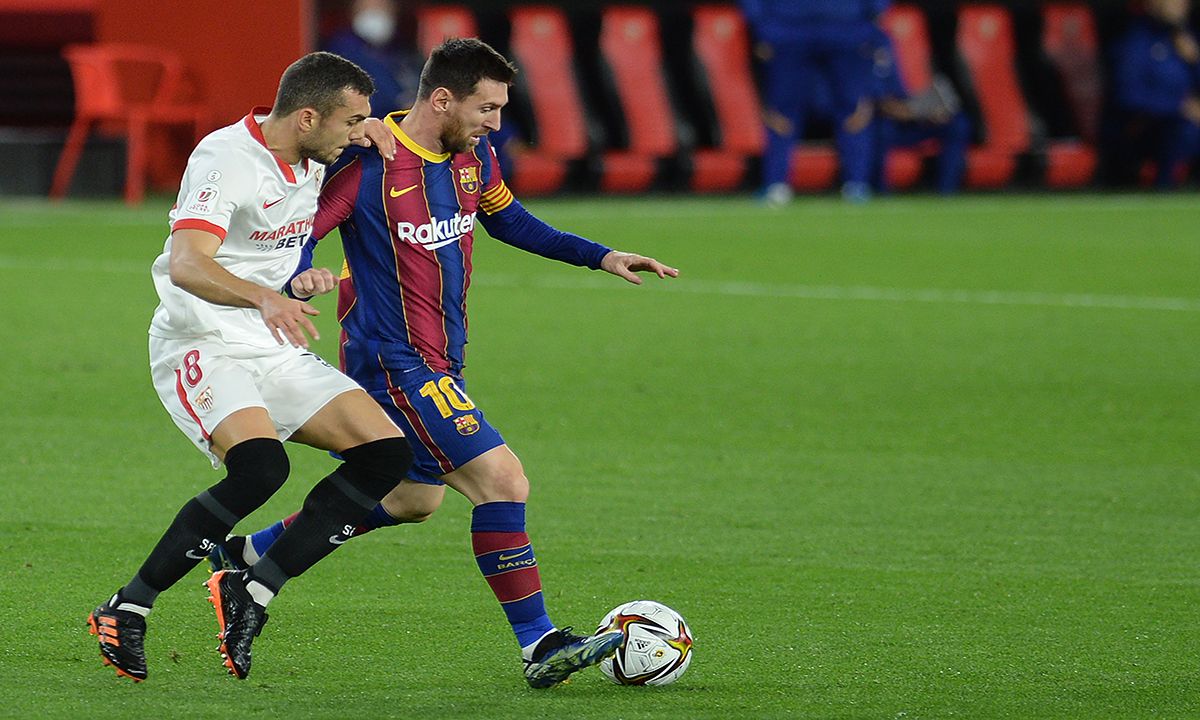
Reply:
x=809, y=39
x=1150, y=83
x=953, y=136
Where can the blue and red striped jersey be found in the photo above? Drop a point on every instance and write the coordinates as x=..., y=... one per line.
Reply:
x=407, y=228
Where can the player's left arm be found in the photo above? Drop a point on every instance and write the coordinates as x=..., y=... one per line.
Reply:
x=509, y=222
x=516, y=226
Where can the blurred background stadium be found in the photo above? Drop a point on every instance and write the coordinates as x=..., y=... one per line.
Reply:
x=1032, y=77
x=914, y=458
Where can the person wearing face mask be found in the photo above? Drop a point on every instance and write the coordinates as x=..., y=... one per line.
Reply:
x=373, y=44
x=1156, y=95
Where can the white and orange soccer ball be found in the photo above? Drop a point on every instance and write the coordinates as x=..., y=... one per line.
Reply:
x=657, y=648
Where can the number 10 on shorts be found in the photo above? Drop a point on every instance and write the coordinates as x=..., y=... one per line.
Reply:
x=446, y=394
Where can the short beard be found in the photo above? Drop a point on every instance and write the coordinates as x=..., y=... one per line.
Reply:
x=453, y=141
x=325, y=158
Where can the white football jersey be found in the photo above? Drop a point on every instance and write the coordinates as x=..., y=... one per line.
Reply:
x=262, y=209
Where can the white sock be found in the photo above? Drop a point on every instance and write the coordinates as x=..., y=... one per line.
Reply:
x=527, y=651
x=249, y=554
x=259, y=592
x=128, y=607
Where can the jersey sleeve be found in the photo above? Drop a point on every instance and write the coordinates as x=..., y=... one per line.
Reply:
x=334, y=207
x=214, y=186
x=509, y=222
x=337, y=197
x=494, y=196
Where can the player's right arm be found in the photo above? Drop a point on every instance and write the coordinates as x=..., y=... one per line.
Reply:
x=194, y=269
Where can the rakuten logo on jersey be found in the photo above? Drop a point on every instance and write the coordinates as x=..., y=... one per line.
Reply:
x=436, y=233
x=286, y=236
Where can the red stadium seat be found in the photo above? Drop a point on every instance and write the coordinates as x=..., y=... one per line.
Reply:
x=906, y=26
x=985, y=42
x=721, y=44
x=125, y=89
x=436, y=23
x=814, y=167
x=1069, y=42
x=541, y=45
x=631, y=49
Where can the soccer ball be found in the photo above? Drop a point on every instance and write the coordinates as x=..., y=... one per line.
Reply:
x=657, y=647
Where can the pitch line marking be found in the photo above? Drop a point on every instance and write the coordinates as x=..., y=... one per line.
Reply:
x=843, y=293
x=863, y=293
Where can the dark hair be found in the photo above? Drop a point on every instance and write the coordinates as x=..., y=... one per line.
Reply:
x=317, y=81
x=458, y=64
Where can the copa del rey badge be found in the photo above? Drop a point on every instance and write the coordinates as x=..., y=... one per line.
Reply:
x=468, y=179
x=203, y=199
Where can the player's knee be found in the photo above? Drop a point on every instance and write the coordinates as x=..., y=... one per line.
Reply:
x=509, y=487
x=414, y=515
x=257, y=468
x=413, y=508
x=377, y=467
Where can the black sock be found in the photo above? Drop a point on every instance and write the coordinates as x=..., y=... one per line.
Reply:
x=333, y=509
x=182, y=546
x=256, y=469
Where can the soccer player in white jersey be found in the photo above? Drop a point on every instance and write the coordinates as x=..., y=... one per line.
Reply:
x=229, y=358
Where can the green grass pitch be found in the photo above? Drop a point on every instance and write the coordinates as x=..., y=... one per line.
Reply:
x=916, y=459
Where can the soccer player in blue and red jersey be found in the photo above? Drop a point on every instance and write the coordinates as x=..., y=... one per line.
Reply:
x=407, y=228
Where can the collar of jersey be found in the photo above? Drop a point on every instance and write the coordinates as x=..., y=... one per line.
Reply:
x=393, y=123
x=256, y=132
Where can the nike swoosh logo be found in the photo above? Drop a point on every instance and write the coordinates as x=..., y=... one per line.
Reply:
x=503, y=557
x=336, y=540
x=273, y=202
x=397, y=193
x=201, y=556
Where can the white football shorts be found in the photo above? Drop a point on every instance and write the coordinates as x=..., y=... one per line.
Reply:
x=202, y=381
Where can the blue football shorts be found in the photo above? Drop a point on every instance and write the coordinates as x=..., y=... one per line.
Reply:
x=432, y=409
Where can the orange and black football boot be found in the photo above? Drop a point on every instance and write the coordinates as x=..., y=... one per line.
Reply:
x=121, y=634
x=239, y=619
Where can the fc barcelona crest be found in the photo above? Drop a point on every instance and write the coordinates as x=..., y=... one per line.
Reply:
x=466, y=425
x=468, y=179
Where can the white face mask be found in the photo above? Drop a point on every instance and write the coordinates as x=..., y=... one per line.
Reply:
x=374, y=26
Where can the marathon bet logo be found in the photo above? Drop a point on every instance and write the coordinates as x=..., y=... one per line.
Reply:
x=436, y=233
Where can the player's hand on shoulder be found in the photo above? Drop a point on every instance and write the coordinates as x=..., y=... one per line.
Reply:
x=287, y=319
x=314, y=281
x=376, y=134
x=627, y=265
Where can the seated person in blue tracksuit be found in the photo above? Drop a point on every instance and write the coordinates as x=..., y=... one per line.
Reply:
x=801, y=41
x=1156, y=94
x=906, y=120
x=897, y=118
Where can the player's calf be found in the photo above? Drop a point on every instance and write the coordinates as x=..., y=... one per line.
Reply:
x=256, y=469
x=336, y=503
